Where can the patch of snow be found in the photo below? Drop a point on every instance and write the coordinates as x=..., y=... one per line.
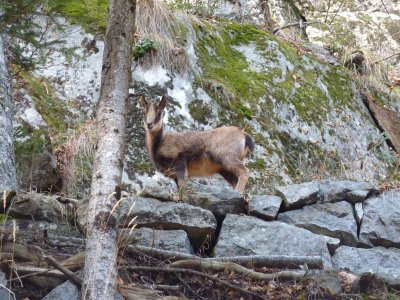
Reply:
x=182, y=91
x=155, y=75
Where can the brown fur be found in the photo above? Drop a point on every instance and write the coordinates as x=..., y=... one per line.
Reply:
x=195, y=154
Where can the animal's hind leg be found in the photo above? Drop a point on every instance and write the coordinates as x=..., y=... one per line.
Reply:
x=230, y=177
x=236, y=166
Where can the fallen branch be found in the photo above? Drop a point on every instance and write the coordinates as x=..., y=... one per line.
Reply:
x=221, y=266
x=274, y=31
x=71, y=275
x=272, y=261
x=192, y=272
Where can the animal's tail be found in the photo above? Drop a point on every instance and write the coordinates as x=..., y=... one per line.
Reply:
x=249, y=143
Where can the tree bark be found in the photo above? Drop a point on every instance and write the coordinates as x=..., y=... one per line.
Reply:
x=8, y=178
x=100, y=270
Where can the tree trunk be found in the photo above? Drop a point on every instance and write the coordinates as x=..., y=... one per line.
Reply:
x=101, y=250
x=8, y=178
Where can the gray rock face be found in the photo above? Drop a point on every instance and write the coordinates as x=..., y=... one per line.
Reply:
x=331, y=219
x=298, y=195
x=242, y=235
x=332, y=243
x=4, y=294
x=38, y=207
x=198, y=223
x=8, y=178
x=334, y=191
x=384, y=262
x=264, y=207
x=65, y=291
x=381, y=220
x=327, y=191
x=358, y=212
x=69, y=291
x=219, y=200
x=173, y=240
x=156, y=190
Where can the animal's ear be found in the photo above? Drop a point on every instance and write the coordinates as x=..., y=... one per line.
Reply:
x=143, y=102
x=163, y=102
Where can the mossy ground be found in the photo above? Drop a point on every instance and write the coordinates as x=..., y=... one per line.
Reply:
x=90, y=14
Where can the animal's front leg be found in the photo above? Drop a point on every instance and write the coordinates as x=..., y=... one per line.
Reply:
x=181, y=179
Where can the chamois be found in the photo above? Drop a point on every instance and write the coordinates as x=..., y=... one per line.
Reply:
x=202, y=153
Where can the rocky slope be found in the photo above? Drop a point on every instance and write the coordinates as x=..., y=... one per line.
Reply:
x=307, y=116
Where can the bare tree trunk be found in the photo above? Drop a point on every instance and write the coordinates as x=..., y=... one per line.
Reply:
x=101, y=248
x=8, y=178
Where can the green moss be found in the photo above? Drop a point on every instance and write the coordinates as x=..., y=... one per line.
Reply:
x=312, y=87
x=30, y=141
x=199, y=111
x=4, y=218
x=90, y=14
x=53, y=110
x=258, y=164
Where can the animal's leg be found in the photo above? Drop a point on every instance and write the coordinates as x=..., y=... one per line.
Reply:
x=243, y=178
x=230, y=177
x=181, y=178
x=236, y=166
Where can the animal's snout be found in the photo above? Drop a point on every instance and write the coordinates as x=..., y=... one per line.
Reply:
x=150, y=125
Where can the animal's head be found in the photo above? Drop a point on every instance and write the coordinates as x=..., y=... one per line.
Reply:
x=153, y=113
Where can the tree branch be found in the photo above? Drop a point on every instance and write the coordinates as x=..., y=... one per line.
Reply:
x=221, y=266
x=272, y=261
x=71, y=275
x=192, y=272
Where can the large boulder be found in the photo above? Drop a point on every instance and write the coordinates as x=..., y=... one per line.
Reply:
x=264, y=206
x=352, y=191
x=219, y=200
x=381, y=220
x=384, y=262
x=172, y=240
x=331, y=219
x=242, y=235
x=326, y=191
x=298, y=195
x=38, y=207
x=198, y=223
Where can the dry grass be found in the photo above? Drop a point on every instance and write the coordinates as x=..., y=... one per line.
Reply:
x=75, y=157
x=156, y=22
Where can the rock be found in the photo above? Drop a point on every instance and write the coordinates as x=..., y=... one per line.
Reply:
x=298, y=195
x=380, y=225
x=243, y=235
x=65, y=291
x=63, y=236
x=358, y=212
x=332, y=243
x=264, y=207
x=328, y=280
x=383, y=262
x=357, y=195
x=157, y=190
x=352, y=191
x=331, y=219
x=198, y=223
x=219, y=200
x=36, y=164
x=38, y=207
x=69, y=291
x=173, y=240
x=4, y=294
